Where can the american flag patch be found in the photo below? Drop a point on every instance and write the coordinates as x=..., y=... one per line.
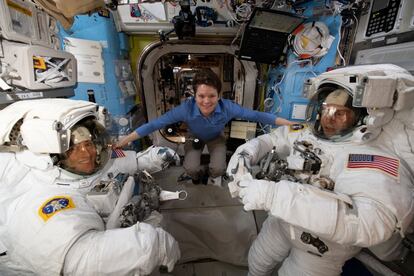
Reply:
x=387, y=165
x=117, y=153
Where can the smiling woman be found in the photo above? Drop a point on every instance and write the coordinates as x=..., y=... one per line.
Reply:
x=206, y=99
x=88, y=150
x=207, y=87
x=206, y=115
x=82, y=157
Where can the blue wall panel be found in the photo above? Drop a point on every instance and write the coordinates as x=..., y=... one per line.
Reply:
x=114, y=45
x=286, y=82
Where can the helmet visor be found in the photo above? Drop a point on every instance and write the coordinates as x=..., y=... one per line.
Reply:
x=88, y=152
x=331, y=115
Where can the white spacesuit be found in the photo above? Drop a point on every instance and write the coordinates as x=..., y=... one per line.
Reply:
x=334, y=186
x=52, y=153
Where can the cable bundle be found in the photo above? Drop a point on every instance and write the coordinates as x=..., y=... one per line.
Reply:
x=311, y=39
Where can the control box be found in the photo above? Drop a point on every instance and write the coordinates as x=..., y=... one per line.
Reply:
x=384, y=18
x=38, y=68
x=25, y=22
x=385, y=34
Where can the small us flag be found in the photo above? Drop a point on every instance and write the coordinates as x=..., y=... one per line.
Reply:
x=117, y=153
x=387, y=165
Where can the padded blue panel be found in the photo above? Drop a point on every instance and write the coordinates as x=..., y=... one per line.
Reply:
x=115, y=47
x=292, y=78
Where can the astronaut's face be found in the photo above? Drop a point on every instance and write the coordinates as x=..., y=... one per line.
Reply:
x=81, y=157
x=206, y=98
x=336, y=118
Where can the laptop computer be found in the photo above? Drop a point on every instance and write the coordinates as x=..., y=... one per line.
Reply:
x=266, y=34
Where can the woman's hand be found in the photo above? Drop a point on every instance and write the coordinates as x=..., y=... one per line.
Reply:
x=283, y=122
x=126, y=140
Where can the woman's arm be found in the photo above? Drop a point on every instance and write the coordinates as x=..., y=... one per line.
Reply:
x=238, y=111
x=126, y=140
x=175, y=115
x=283, y=122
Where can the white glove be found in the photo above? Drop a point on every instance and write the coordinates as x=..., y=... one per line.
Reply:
x=257, y=194
x=239, y=168
x=234, y=186
x=252, y=151
x=147, y=248
x=155, y=159
x=240, y=163
x=169, y=250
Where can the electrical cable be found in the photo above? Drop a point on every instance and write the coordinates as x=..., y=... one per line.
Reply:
x=54, y=74
x=312, y=39
x=339, y=42
x=276, y=89
x=240, y=13
x=338, y=7
x=242, y=27
x=244, y=11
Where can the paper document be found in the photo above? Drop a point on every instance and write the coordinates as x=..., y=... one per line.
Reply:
x=88, y=54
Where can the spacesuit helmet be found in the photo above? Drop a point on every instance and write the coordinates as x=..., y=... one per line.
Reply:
x=88, y=149
x=331, y=115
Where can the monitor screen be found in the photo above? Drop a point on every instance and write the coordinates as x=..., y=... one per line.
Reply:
x=379, y=5
x=266, y=35
x=273, y=21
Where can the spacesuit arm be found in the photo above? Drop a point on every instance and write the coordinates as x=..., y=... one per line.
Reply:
x=324, y=213
x=127, y=164
x=255, y=149
x=152, y=159
x=175, y=115
x=136, y=250
x=155, y=159
x=11, y=171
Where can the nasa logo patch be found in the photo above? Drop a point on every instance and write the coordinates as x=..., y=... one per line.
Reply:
x=54, y=205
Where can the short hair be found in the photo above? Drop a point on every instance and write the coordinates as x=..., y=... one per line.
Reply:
x=207, y=77
x=339, y=97
x=80, y=134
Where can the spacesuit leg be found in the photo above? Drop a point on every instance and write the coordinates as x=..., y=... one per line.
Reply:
x=303, y=263
x=192, y=160
x=217, y=151
x=305, y=259
x=271, y=247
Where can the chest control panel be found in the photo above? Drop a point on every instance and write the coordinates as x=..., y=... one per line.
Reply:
x=383, y=15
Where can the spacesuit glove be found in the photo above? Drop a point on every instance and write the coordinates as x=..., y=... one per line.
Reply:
x=257, y=194
x=234, y=186
x=169, y=251
x=240, y=162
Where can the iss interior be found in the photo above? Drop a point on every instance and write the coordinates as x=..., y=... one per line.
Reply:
x=138, y=58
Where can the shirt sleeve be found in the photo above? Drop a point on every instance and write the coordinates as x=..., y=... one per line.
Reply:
x=237, y=111
x=175, y=115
